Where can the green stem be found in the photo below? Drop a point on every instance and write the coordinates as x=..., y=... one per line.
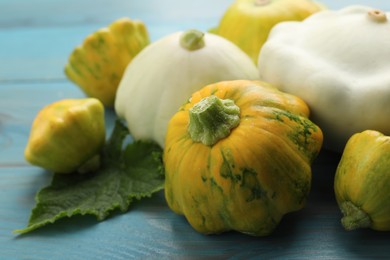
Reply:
x=192, y=40
x=212, y=119
x=354, y=217
x=90, y=165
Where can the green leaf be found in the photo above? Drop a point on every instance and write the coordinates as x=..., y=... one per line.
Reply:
x=128, y=171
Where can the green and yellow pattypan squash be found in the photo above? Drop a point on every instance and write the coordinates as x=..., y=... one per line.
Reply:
x=338, y=62
x=362, y=182
x=238, y=157
x=97, y=65
x=247, y=23
x=164, y=74
x=67, y=136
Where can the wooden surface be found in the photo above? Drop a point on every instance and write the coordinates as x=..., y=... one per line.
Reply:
x=36, y=37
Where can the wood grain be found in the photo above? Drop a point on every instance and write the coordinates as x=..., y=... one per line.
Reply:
x=36, y=38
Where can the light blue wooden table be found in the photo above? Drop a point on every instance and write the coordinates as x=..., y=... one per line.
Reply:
x=36, y=37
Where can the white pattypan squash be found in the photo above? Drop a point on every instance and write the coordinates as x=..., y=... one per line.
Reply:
x=338, y=62
x=164, y=75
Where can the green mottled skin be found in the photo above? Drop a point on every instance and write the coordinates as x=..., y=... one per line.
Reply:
x=249, y=179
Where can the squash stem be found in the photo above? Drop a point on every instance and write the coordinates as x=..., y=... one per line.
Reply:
x=212, y=119
x=354, y=217
x=377, y=16
x=262, y=2
x=192, y=40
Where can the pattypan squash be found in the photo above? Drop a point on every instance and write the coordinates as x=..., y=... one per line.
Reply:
x=247, y=23
x=67, y=136
x=164, y=74
x=238, y=157
x=97, y=65
x=362, y=182
x=338, y=62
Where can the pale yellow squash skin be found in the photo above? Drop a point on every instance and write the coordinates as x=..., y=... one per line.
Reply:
x=66, y=134
x=247, y=23
x=248, y=180
x=97, y=65
x=363, y=179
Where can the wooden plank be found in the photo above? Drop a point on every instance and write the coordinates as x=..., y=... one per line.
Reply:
x=44, y=13
x=150, y=229
x=36, y=40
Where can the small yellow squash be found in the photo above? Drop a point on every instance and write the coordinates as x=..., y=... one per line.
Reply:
x=98, y=64
x=237, y=157
x=247, y=23
x=67, y=136
x=362, y=182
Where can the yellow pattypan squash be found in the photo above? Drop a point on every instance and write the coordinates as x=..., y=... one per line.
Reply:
x=67, y=136
x=97, y=65
x=238, y=157
x=247, y=23
x=362, y=182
